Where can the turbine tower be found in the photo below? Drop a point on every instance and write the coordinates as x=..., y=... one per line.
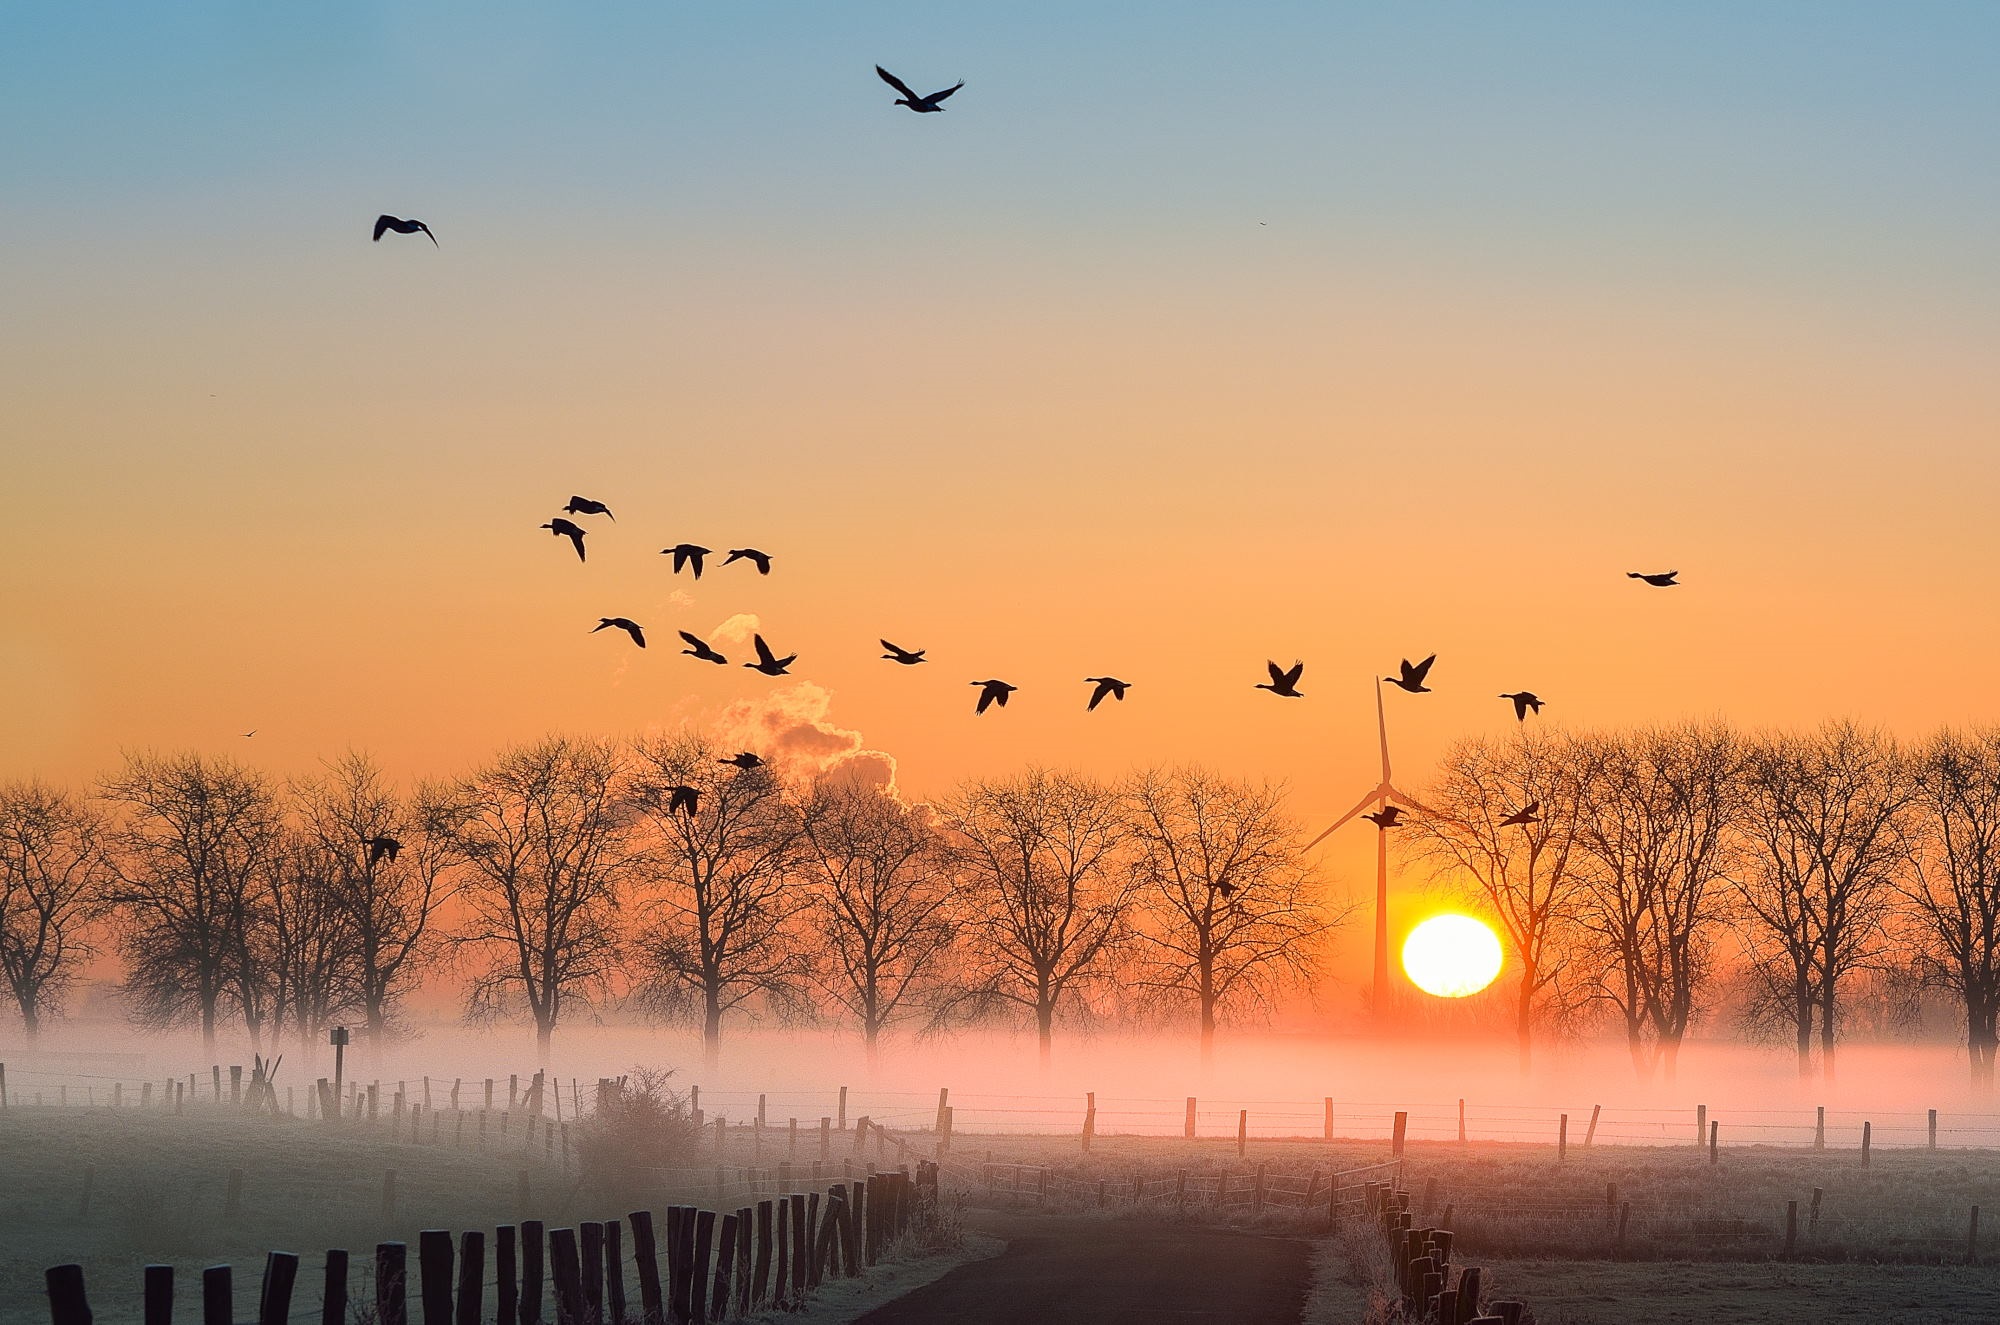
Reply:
x=1378, y=796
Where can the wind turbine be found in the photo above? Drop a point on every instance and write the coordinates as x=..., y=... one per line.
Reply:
x=1379, y=796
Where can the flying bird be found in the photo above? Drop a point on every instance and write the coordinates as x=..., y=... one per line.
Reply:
x=921, y=105
x=907, y=657
x=991, y=693
x=1523, y=701
x=1284, y=682
x=1386, y=817
x=562, y=528
x=252, y=732
x=585, y=506
x=1663, y=580
x=701, y=650
x=1527, y=814
x=1106, y=685
x=380, y=846
x=401, y=227
x=685, y=554
x=626, y=624
x=683, y=798
x=762, y=560
x=744, y=761
x=1412, y=678
x=767, y=662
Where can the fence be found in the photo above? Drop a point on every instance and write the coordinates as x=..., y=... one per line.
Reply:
x=709, y=1268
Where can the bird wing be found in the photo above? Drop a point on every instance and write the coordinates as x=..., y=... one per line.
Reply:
x=985, y=699
x=576, y=536
x=638, y=633
x=1290, y=678
x=694, y=640
x=1421, y=670
x=1520, y=708
x=893, y=649
x=382, y=223
x=427, y=232
x=936, y=97
x=1097, y=695
x=895, y=82
x=764, y=654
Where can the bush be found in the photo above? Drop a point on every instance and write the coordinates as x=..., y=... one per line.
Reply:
x=642, y=1125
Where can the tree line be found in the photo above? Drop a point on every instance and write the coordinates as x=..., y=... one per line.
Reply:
x=1660, y=858
x=571, y=875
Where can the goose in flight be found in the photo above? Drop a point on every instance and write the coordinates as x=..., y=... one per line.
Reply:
x=1386, y=817
x=683, y=798
x=626, y=624
x=1662, y=580
x=252, y=732
x=1283, y=681
x=381, y=846
x=1527, y=814
x=698, y=648
x=744, y=761
x=1412, y=678
x=1523, y=701
x=1106, y=685
x=562, y=528
x=921, y=105
x=761, y=560
x=685, y=554
x=907, y=657
x=991, y=693
x=767, y=662
x=585, y=506
x=401, y=227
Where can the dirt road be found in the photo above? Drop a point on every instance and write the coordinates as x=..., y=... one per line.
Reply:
x=1057, y=1270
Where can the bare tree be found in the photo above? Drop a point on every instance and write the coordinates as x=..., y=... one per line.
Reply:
x=1526, y=874
x=1656, y=813
x=1816, y=886
x=1047, y=895
x=388, y=875
x=541, y=830
x=302, y=943
x=195, y=835
x=722, y=872
x=1953, y=848
x=53, y=880
x=882, y=910
x=1230, y=912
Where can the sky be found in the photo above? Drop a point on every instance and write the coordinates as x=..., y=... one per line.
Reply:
x=1190, y=336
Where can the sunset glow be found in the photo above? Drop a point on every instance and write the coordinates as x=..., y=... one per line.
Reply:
x=1451, y=956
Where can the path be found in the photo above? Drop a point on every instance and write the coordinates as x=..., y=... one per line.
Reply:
x=1062, y=1269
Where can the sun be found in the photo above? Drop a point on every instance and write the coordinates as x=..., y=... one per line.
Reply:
x=1451, y=956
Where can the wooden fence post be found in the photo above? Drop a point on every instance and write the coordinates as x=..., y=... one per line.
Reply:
x=646, y=1260
x=704, y=1250
x=218, y=1301
x=1933, y=1130
x=825, y=1138
x=1089, y=1119
x=760, y=1280
x=1812, y=1215
x=1242, y=1131
x=1819, y=1130
x=1590, y=1133
x=1402, y=1124
x=1713, y=1128
x=614, y=1272
x=506, y=1275
x=333, y=1295
x=801, y=1244
x=1624, y=1213
x=471, y=1278
x=568, y=1276
x=1562, y=1139
x=842, y=1111
x=725, y=1270
x=1867, y=1130
x=67, y=1303
x=1700, y=1123
x=1791, y=1227
x=274, y=1299
x=434, y=1266
x=590, y=1261
x=533, y=1240
x=1461, y=1122
x=1610, y=1203
x=391, y=1278
x=1326, y=1125
x=1188, y=1128
x=159, y=1295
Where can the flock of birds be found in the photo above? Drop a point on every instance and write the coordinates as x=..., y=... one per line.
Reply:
x=993, y=692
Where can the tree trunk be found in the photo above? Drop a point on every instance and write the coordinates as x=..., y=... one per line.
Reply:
x=1207, y=1036
x=711, y=1031
x=1045, y=1033
x=1524, y=1018
x=1826, y=1024
x=1802, y=1024
x=544, y=1031
x=31, y=1018
x=872, y=1036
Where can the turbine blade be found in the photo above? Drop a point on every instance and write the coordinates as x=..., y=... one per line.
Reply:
x=1374, y=794
x=1382, y=727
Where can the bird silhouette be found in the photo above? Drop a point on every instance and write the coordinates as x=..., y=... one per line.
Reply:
x=401, y=227
x=626, y=624
x=1284, y=682
x=700, y=649
x=1527, y=814
x=686, y=554
x=1223, y=886
x=380, y=846
x=683, y=798
x=1106, y=685
x=767, y=662
x=1412, y=678
x=252, y=732
x=1386, y=817
x=921, y=105
x=1662, y=580
x=585, y=506
x=991, y=693
x=562, y=528
x=907, y=657
x=1523, y=701
x=744, y=761
x=761, y=560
